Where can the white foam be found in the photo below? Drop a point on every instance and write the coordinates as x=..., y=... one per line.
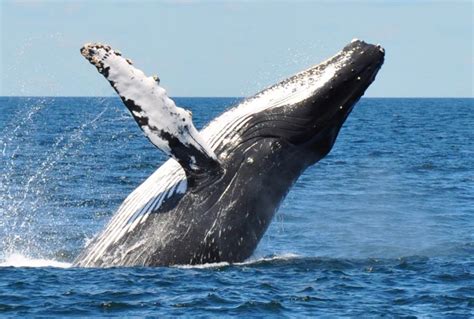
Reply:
x=256, y=260
x=250, y=261
x=204, y=266
x=19, y=260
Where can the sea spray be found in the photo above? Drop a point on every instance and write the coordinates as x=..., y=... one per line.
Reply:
x=28, y=190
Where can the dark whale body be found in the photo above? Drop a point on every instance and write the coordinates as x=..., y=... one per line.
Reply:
x=214, y=200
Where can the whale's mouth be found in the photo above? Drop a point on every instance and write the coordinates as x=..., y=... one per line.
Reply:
x=309, y=108
x=313, y=124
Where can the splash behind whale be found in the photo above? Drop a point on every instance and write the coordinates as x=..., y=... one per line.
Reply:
x=214, y=198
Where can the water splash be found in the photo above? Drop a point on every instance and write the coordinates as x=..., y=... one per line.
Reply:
x=27, y=182
x=19, y=260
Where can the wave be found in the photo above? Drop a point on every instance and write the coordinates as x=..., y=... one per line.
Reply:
x=282, y=259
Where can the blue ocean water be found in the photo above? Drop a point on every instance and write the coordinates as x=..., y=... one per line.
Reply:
x=383, y=226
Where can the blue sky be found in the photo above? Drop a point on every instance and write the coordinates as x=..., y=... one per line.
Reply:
x=234, y=48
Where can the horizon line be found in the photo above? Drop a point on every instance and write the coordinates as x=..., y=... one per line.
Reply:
x=229, y=97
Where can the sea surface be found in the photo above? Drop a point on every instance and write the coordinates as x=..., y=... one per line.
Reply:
x=382, y=227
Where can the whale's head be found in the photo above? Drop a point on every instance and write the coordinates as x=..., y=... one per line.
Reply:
x=344, y=79
x=307, y=110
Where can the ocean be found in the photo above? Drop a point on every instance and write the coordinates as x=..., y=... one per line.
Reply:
x=381, y=227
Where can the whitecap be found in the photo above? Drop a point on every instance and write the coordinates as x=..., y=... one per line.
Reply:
x=250, y=261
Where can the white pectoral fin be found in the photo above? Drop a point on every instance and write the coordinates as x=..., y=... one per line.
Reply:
x=168, y=127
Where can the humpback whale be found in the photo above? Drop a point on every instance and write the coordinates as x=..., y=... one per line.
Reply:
x=214, y=198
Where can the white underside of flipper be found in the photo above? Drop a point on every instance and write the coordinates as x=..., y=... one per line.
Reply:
x=168, y=127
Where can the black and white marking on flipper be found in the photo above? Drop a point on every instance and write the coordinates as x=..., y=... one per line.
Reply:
x=248, y=159
x=167, y=126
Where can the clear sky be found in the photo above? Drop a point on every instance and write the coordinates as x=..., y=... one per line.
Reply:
x=234, y=48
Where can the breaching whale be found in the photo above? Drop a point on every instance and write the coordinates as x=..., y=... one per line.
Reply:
x=214, y=198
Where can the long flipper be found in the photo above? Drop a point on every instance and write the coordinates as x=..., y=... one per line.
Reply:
x=167, y=126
